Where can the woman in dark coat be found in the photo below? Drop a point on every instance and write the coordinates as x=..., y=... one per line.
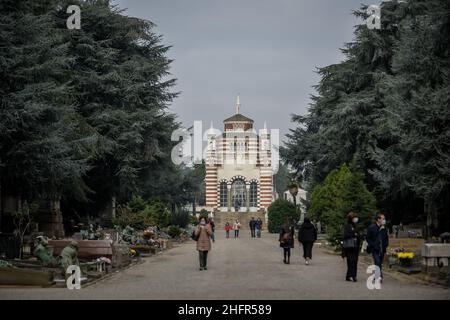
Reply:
x=287, y=239
x=307, y=234
x=348, y=251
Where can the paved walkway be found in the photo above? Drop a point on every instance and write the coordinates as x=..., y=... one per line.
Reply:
x=244, y=268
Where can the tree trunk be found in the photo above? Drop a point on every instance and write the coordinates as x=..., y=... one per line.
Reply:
x=1, y=205
x=430, y=211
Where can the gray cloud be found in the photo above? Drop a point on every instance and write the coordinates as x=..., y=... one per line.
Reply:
x=266, y=50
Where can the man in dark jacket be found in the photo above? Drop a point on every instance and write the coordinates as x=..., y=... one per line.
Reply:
x=252, y=225
x=307, y=234
x=378, y=240
x=258, y=227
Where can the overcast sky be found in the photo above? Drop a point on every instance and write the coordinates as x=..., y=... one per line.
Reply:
x=266, y=50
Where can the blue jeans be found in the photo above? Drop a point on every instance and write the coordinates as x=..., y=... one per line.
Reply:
x=378, y=261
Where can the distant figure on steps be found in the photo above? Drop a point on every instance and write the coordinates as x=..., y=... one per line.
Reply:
x=259, y=224
x=237, y=205
x=252, y=225
x=236, y=228
x=228, y=227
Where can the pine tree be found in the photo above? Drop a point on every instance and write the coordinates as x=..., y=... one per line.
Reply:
x=386, y=106
x=41, y=152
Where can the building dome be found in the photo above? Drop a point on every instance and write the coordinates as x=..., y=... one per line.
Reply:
x=238, y=121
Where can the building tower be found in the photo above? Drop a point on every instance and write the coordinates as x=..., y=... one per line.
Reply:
x=238, y=169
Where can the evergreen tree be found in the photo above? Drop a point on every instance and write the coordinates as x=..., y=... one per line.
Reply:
x=417, y=98
x=343, y=191
x=42, y=153
x=84, y=112
x=385, y=106
x=278, y=211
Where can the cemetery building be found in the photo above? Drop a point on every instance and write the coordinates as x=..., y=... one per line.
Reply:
x=239, y=175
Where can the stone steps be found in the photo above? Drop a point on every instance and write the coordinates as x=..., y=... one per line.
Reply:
x=220, y=218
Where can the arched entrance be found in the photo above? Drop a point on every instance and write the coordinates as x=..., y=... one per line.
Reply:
x=238, y=194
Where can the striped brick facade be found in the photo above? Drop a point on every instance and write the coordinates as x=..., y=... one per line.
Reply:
x=239, y=156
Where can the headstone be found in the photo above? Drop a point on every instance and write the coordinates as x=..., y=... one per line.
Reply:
x=436, y=254
x=77, y=236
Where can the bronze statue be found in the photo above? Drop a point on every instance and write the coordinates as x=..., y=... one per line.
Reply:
x=69, y=256
x=43, y=253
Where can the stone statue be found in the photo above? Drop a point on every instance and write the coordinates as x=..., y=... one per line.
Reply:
x=91, y=232
x=69, y=256
x=43, y=253
x=128, y=235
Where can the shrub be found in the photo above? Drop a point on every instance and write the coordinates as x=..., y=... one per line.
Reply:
x=193, y=219
x=341, y=192
x=278, y=211
x=140, y=214
x=181, y=218
x=174, y=231
x=159, y=213
x=138, y=220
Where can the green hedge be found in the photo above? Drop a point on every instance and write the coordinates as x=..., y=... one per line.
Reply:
x=278, y=211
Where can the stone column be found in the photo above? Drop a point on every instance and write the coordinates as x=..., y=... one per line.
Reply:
x=229, y=196
x=247, y=197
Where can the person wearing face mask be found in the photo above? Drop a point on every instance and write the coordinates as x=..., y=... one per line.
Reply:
x=378, y=241
x=350, y=247
x=203, y=233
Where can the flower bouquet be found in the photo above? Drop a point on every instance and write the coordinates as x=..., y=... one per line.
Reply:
x=405, y=258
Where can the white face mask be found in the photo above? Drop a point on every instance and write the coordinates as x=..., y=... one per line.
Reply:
x=383, y=222
x=355, y=220
x=202, y=222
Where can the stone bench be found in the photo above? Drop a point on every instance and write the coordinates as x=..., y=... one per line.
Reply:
x=87, y=249
x=436, y=254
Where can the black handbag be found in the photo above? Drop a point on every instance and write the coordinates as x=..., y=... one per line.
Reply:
x=349, y=243
x=194, y=236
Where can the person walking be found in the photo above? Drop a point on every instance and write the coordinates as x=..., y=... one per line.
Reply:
x=228, y=227
x=236, y=228
x=203, y=234
x=307, y=234
x=258, y=225
x=213, y=229
x=350, y=247
x=252, y=225
x=286, y=239
x=377, y=242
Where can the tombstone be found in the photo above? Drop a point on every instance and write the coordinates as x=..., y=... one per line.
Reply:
x=436, y=255
x=445, y=237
